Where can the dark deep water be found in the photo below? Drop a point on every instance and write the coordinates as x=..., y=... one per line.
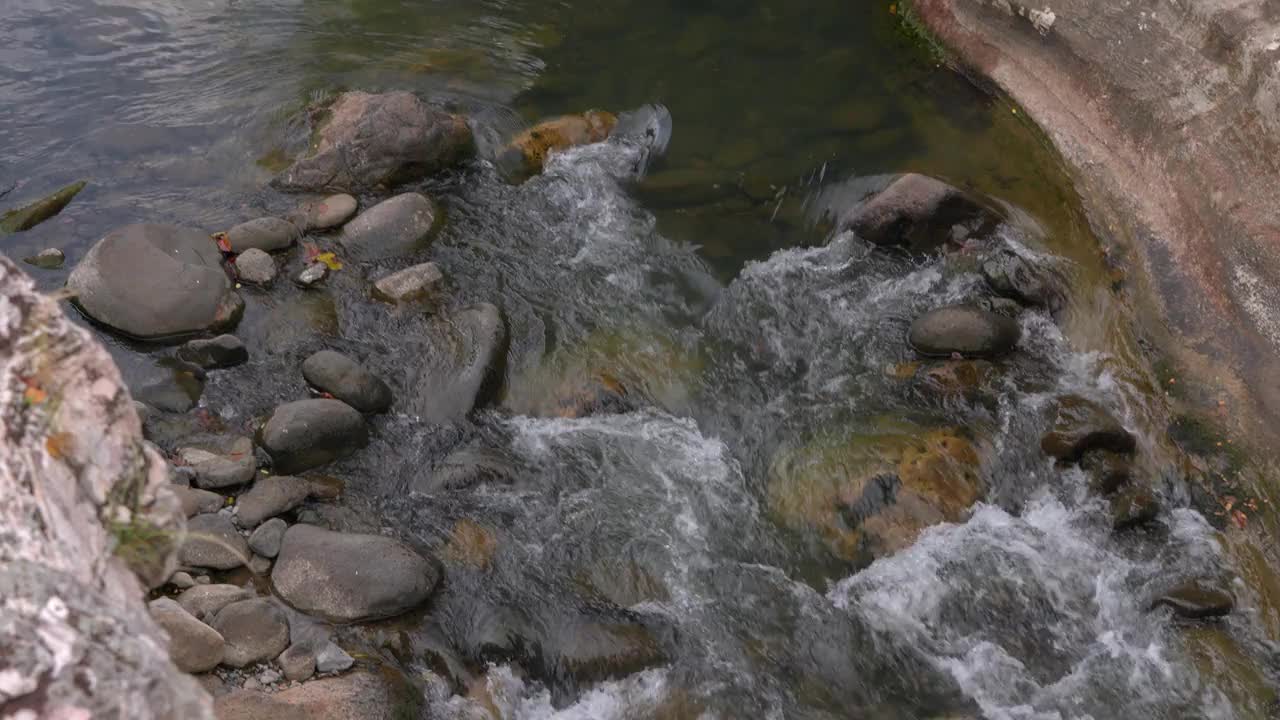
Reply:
x=762, y=357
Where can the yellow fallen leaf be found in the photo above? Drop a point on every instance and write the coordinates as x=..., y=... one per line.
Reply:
x=330, y=260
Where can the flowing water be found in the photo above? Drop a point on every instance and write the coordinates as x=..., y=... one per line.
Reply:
x=683, y=554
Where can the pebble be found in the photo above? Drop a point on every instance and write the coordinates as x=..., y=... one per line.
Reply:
x=48, y=259
x=255, y=266
x=182, y=580
x=311, y=275
x=332, y=658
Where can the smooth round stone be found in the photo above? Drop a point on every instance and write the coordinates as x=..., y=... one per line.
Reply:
x=347, y=380
x=265, y=541
x=213, y=542
x=331, y=212
x=156, y=281
x=309, y=433
x=254, y=630
x=268, y=234
x=193, y=646
x=350, y=577
x=223, y=351
x=965, y=331
x=255, y=266
x=394, y=227
x=412, y=283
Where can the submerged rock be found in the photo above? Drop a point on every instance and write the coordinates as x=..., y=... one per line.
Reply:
x=527, y=153
x=1133, y=507
x=1019, y=278
x=311, y=275
x=393, y=227
x=1080, y=425
x=1107, y=470
x=463, y=362
x=349, y=577
x=326, y=214
x=212, y=542
x=256, y=267
x=47, y=259
x=466, y=468
x=918, y=213
x=254, y=630
x=29, y=216
x=223, y=351
x=371, y=141
x=193, y=646
x=965, y=331
x=156, y=281
x=413, y=283
x=309, y=433
x=1198, y=599
x=347, y=380
x=268, y=234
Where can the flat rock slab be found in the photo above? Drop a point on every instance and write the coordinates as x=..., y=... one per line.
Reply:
x=270, y=496
x=224, y=467
x=399, y=226
x=349, y=577
x=306, y=434
x=412, y=283
x=962, y=330
x=156, y=281
x=374, y=141
x=360, y=694
x=193, y=646
x=213, y=542
x=346, y=380
x=254, y=630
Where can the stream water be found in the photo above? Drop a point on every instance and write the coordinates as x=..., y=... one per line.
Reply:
x=682, y=556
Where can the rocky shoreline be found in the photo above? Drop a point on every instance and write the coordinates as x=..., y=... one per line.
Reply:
x=252, y=594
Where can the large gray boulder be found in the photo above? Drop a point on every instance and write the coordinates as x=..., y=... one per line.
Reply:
x=374, y=141
x=394, y=227
x=350, y=577
x=75, y=560
x=156, y=281
x=347, y=380
x=461, y=364
x=309, y=433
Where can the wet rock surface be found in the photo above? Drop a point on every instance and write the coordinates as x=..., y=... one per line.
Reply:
x=528, y=151
x=221, y=467
x=47, y=259
x=348, y=381
x=1134, y=508
x=1030, y=281
x=223, y=351
x=254, y=630
x=350, y=577
x=370, y=141
x=465, y=352
x=918, y=213
x=184, y=288
x=1080, y=425
x=965, y=331
x=325, y=214
x=394, y=227
x=1198, y=599
x=311, y=275
x=309, y=433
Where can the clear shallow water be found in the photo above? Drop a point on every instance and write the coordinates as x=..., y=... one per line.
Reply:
x=744, y=337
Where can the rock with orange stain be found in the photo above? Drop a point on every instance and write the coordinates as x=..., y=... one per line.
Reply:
x=527, y=153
